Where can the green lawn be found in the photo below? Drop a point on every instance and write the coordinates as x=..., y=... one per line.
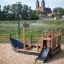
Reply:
x=11, y=27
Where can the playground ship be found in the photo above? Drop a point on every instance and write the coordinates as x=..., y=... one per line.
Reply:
x=47, y=46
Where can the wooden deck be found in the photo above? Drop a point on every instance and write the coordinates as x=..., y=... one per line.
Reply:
x=29, y=52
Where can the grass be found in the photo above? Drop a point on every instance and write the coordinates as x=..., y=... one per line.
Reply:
x=11, y=27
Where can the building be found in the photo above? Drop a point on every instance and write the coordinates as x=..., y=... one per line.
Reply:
x=42, y=10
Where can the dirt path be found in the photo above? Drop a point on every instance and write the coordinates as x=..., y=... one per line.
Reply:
x=9, y=56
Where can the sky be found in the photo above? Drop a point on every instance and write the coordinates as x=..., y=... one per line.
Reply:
x=48, y=3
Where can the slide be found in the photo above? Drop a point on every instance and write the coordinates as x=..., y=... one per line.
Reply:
x=44, y=54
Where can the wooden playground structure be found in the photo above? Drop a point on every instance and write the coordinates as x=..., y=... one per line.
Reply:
x=52, y=40
x=47, y=45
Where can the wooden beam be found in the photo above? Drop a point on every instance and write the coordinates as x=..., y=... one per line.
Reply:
x=47, y=38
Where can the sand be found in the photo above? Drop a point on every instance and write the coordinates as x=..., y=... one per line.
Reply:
x=9, y=56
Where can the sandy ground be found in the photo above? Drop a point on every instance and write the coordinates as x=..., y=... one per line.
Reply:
x=9, y=56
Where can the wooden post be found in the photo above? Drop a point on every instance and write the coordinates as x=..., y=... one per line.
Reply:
x=24, y=37
x=25, y=26
x=40, y=43
x=18, y=29
x=31, y=39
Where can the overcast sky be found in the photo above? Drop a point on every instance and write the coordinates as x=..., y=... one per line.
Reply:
x=48, y=3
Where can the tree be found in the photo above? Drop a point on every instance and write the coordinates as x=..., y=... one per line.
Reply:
x=16, y=8
x=62, y=12
x=18, y=11
x=6, y=8
x=34, y=15
x=56, y=10
x=24, y=12
x=0, y=8
x=29, y=11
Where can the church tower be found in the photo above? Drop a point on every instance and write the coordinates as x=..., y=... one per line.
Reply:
x=42, y=5
x=37, y=6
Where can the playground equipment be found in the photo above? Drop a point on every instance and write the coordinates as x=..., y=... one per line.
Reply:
x=48, y=45
x=50, y=40
x=19, y=47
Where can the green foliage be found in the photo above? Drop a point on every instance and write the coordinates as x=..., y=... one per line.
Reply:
x=58, y=12
x=34, y=15
x=6, y=8
x=11, y=27
x=17, y=12
x=62, y=12
x=25, y=12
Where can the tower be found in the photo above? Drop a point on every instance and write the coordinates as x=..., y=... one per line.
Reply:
x=42, y=5
x=37, y=6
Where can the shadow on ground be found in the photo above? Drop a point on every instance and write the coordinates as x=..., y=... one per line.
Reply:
x=57, y=57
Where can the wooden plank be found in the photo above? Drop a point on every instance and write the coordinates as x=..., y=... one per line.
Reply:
x=31, y=52
x=47, y=38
